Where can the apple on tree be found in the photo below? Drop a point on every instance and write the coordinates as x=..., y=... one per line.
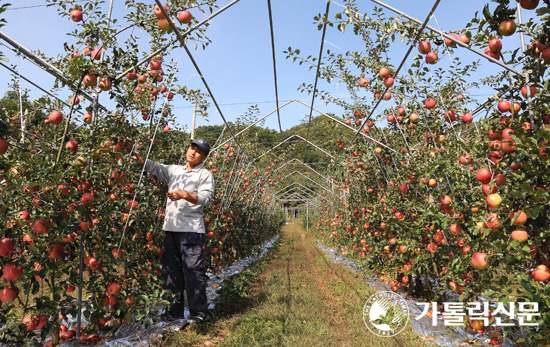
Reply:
x=424, y=47
x=4, y=145
x=507, y=28
x=185, y=17
x=158, y=12
x=76, y=15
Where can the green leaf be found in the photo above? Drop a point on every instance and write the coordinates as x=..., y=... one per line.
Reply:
x=527, y=285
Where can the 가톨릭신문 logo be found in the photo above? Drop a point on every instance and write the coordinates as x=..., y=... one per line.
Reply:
x=386, y=314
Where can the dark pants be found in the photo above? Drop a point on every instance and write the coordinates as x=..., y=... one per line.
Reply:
x=183, y=269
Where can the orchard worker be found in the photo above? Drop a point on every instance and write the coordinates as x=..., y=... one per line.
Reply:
x=190, y=189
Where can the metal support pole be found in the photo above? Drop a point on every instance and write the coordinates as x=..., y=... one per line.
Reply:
x=460, y=43
x=525, y=73
x=422, y=27
x=168, y=45
x=46, y=66
x=194, y=120
x=307, y=216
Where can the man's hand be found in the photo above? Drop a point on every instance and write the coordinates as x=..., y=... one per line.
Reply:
x=177, y=195
x=180, y=194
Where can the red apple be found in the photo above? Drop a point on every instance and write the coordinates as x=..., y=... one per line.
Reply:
x=12, y=272
x=105, y=84
x=456, y=229
x=492, y=54
x=495, y=45
x=430, y=103
x=484, y=175
x=9, y=293
x=6, y=247
x=520, y=219
x=504, y=121
x=500, y=179
x=464, y=159
x=24, y=215
x=507, y=28
x=164, y=24
x=166, y=129
x=450, y=116
x=158, y=12
x=388, y=82
x=464, y=39
x=384, y=72
x=424, y=47
x=71, y=145
x=363, y=82
x=89, y=80
x=532, y=90
x=76, y=15
x=494, y=200
x=155, y=65
x=467, y=118
x=432, y=247
x=503, y=106
x=41, y=226
x=87, y=118
x=449, y=42
x=519, y=234
x=55, y=117
x=540, y=273
x=185, y=17
x=131, y=76
x=431, y=58
x=97, y=53
x=546, y=56
x=4, y=145
x=478, y=260
x=56, y=251
x=529, y=4
x=113, y=289
x=87, y=198
x=508, y=145
x=414, y=118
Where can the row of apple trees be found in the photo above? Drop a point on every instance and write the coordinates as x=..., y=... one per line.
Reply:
x=70, y=189
x=449, y=204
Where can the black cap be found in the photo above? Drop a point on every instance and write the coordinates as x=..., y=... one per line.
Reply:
x=202, y=144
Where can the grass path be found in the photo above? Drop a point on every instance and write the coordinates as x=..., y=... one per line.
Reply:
x=297, y=297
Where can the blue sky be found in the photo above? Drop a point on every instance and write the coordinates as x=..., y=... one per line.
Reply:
x=238, y=63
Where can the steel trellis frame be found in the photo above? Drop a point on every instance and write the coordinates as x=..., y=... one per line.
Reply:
x=274, y=63
x=298, y=172
x=460, y=43
x=182, y=42
x=400, y=66
x=313, y=94
x=306, y=188
x=300, y=194
x=165, y=47
x=38, y=87
x=288, y=138
x=54, y=71
x=309, y=167
x=254, y=123
x=347, y=126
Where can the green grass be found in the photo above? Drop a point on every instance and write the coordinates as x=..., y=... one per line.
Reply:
x=301, y=298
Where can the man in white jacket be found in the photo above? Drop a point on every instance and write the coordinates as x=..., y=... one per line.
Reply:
x=190, y=189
